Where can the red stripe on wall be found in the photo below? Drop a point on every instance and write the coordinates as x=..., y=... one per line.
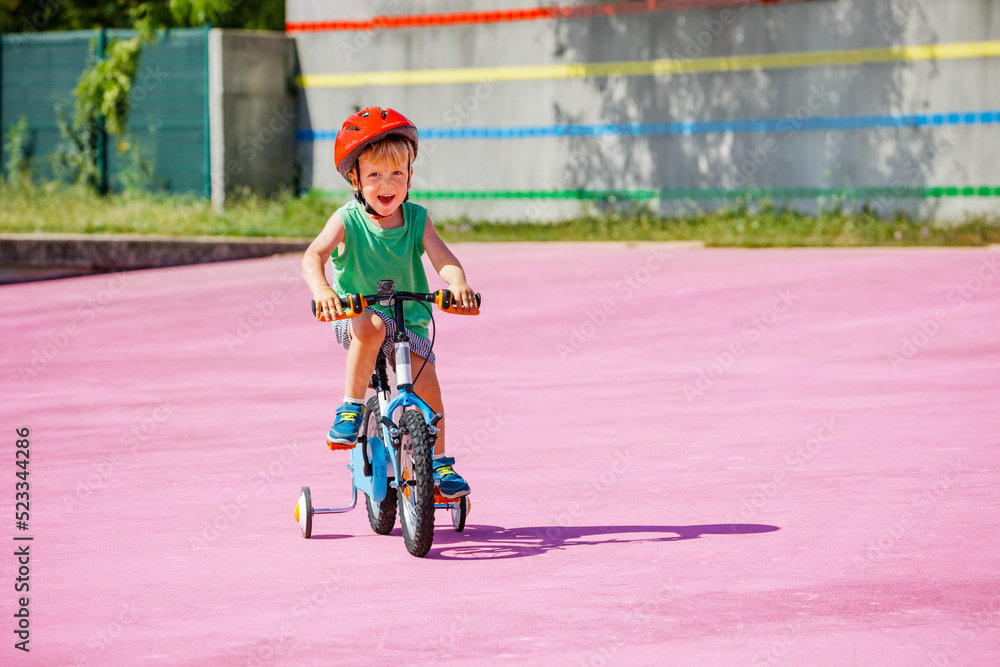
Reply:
x=509, y=15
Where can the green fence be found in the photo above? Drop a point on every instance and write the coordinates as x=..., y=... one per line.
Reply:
x=169, y=116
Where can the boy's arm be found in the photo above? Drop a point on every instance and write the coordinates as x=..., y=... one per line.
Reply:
x=314, y=261
x=448, y=267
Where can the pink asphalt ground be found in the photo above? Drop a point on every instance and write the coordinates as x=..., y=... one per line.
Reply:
x=684, y=457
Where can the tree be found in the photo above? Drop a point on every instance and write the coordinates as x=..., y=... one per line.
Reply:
x=49, y=15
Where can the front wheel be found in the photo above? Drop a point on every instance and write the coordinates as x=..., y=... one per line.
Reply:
x=416, y=488
x=382, y=515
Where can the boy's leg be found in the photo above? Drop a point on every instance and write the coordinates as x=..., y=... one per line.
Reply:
x=428, y=388
x=367, y=334
x=448, y=482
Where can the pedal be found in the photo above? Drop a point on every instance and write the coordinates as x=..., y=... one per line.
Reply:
x=438, y=498
x=337, y=447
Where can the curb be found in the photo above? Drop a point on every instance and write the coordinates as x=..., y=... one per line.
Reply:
x=28, y=257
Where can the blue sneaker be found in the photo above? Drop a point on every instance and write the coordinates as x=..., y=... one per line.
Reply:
x=448, y=483
x=344, y=432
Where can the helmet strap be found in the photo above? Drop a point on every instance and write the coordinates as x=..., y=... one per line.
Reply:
x=361, y=198
x=368, y=207
x=409, y=168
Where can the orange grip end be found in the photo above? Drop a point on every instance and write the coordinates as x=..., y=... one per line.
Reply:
x=444, y=301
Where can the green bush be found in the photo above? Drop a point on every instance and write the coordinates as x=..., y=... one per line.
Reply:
x=18, y=147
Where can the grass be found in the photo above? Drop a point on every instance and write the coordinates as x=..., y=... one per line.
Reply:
x=56, y=208
x=739, y=227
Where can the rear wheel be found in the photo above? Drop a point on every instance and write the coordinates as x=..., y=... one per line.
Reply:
x=416, y=488
x=459, y=513
x=381, y=515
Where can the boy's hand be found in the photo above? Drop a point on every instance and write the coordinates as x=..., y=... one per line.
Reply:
x=463, y=295
x=327, y=305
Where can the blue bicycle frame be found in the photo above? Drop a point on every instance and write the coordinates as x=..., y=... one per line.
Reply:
x=370, y=459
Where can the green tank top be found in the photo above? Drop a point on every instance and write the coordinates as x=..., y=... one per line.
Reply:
x=372, y=254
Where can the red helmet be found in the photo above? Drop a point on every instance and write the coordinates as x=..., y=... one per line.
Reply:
x=366, y=127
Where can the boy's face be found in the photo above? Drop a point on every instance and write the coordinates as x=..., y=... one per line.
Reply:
x=383, y=185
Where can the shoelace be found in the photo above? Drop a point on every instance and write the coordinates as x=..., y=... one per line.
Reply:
x=445, y=470
x=348, y=417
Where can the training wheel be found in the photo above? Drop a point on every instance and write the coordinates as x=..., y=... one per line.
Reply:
x=459, y=512
x=304, y=512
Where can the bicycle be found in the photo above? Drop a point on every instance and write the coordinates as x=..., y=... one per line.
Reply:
x=410, y=439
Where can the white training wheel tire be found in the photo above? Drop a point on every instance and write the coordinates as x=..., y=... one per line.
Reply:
x=304, y=512
x=460, y=512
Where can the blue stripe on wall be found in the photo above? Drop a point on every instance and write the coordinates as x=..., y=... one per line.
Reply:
x=788, y=124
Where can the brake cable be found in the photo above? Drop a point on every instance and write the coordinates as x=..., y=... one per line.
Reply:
x=430, y=350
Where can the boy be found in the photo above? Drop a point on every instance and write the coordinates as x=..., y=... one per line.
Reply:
x=381, y=236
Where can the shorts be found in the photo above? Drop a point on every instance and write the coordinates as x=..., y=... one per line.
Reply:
x=418, y=344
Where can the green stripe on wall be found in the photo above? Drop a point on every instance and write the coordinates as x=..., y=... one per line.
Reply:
x=702, y=194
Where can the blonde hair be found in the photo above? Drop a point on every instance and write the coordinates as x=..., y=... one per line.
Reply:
x=394, y=149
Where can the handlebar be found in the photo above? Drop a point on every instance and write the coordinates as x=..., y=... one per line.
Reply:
x=355, y=304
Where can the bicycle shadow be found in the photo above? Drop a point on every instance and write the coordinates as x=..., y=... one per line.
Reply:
x=496, y=542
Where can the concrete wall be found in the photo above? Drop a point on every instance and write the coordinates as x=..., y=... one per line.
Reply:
x=900, y=158
x=252, y=110
x=27, y=257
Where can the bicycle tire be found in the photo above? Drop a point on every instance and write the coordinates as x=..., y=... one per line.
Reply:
x=416, y=489
x=459, y=513
x=381, y=515
x=304, y=512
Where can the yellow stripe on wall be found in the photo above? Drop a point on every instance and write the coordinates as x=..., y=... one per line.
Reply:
x=654, y=67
